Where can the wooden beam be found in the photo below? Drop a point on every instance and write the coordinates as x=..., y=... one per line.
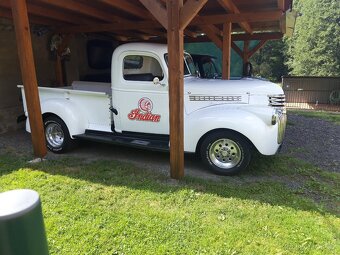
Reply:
x=154, y=32
x=102, y=27
x=237, y=18
x=128, y=6
x=255, y=49
x=198, y=21
x=190, y=33
x=210, y=31
x=176, y=88
x=189, y=11
x=157, y=10
x=84, y=9
x=257, y=36
x=25, y=52
x=58, y=63
x=50, y=13
x=236, y=49
x=58, y=67
x=7, y=13
x=245, y=51
x=281, y=5
x=229, y=5
x=226, y=51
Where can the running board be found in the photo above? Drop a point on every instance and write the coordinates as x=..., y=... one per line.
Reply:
x=137, y=142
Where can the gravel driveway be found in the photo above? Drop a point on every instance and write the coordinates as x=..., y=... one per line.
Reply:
x=314, y=140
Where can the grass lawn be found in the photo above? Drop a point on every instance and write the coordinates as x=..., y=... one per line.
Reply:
x=330, y=116
x=280, y=206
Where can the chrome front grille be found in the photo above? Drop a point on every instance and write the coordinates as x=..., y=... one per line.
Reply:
x=277, y=100
x=232, y=98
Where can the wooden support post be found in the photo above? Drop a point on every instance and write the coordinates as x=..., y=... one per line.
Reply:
x=24, y=44
x=59, y=63
x=245, y=51
x=226, y=51
x=176, y=88
x=59, y=71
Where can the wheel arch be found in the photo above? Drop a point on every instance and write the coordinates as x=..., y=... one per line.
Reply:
x=199, y=143
x=68, y=112
x=50, y=114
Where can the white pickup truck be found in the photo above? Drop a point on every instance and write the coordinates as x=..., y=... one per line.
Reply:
x=224, y=120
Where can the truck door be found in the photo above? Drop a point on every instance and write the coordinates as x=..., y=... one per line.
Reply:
x=141, y=100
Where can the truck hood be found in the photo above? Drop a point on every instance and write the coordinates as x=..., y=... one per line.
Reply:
x=202, y=93
x=250, y=86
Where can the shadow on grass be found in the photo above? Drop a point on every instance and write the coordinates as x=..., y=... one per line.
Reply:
x=277, y=181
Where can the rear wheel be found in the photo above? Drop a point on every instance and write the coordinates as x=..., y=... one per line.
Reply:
x=57, y=136
x=225, y=152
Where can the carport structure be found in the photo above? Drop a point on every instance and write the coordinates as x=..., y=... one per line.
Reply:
x=171, y=21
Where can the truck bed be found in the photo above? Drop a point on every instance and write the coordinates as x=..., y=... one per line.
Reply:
x=91, y=100
x=92, y=86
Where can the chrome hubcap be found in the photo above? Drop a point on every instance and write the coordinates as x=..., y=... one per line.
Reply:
x=54, y=135
x=225, y=153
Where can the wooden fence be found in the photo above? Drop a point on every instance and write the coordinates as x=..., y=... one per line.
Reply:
x=322, y=93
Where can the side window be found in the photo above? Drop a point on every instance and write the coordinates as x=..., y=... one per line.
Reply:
x=141, y=68
x=133, y=62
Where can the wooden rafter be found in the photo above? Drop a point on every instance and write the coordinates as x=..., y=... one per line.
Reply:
x=127, y=6
x=6, y=13
x=245, y=51
x=236, y=18
x=211, y=34
x=236, y=49
x=157, y=10
x=154, y=32
x=281, y=5
x=257, y=36
x=84, y=9
x=190, y=33
x=50, y=13
x=256, y=48
x=189, y=11
x=102, y=27
x=229, y=6
x=202, y=20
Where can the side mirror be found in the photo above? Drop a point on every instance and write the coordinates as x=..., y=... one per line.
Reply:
x=247, y=70
x=157, y=82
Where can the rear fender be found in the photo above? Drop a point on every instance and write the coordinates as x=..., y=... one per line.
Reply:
x=69, y=112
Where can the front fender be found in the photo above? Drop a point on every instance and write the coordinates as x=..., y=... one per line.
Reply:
x=262, y=134
x=69, y=112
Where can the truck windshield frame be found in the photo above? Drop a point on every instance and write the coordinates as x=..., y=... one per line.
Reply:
x=189, y=66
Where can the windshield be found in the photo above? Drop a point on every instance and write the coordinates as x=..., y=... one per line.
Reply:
x=189, y=66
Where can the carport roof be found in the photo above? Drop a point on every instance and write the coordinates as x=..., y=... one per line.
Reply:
x=132, y=21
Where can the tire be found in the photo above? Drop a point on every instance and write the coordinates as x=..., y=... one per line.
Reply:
x=57, y=136
x=225, y=152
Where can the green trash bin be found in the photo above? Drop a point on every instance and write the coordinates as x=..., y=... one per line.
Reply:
x=22, y=230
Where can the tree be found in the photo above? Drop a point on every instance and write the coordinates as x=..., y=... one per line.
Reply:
x=314, y=49
x=268, y=62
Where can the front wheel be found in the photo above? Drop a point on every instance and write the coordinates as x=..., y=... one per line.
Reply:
x=57, y=136
x=225, y=152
